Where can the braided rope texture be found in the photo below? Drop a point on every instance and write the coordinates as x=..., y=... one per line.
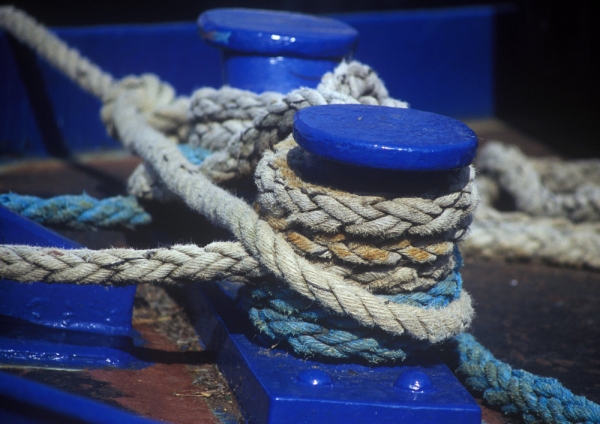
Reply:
x=120, y=267
x=68, y=60
x=571, y=195
x=353, y=233
x=279, y=314
x=239, y=125
x=557, y=203
x=273, y=251
x=269, y=253
x=536, y=399
x=81, y=212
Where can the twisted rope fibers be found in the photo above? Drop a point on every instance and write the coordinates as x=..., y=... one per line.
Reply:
x=556, y=220
x=538, y=399
x=269, y=247
x=576, y=200
x=81, y=212
x=121, y=267
x=282, y=315
x=182, y=169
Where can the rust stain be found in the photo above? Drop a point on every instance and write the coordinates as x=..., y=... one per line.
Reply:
x=329, y=238
x=340, y=250
x=419, y=255
x=278, y=224
x=152, y=392
x=300, y=241
x=372, y=254
x=440, y=248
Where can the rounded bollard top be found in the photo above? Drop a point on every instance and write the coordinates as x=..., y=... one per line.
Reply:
x=385, y=137
x=276, y=33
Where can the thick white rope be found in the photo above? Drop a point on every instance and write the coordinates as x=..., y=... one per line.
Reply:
x=271, y=249
x=557, y=205
x=239, y=125
x=560, y=190
x=242, y=154
x=66, y=59
x=118, y=267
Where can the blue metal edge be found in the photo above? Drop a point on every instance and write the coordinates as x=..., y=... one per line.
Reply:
x=266, y=384
x=60, y=325
x=24, y=401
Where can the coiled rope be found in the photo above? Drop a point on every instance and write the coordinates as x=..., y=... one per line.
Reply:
x=557, y=209
x=272, y=246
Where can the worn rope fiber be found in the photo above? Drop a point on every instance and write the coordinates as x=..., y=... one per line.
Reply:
x=272, y=250
x=557, y=202
x=120, y=267
x=239, y=125
x=80, y=212
x=536, y=399
x=276, y=256
x=544, y=188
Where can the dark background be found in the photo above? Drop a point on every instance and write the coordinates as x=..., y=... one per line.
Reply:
x=546, y=52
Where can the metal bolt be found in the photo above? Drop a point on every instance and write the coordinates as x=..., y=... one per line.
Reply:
x=314, y=378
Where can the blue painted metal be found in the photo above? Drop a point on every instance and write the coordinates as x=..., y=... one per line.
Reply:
x=437, y=60
x=385, y=138
x=445, y=65
x=275, y=33
x=24, y=401
x=266, y=50
x=272, y=386
x=61, y=325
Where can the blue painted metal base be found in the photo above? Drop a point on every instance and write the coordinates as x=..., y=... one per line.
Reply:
x=272, y=386
x=23, y=401
x=61, y=325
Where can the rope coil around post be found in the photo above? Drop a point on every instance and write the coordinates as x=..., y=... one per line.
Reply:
x=256, y=258
x=365, y=234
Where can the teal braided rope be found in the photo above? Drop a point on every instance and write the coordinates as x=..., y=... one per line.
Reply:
x=281, y=315
x=195, y=155
x=537, y=399
x=80, y=212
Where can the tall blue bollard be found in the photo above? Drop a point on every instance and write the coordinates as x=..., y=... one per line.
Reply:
x=270, y=384
x=266, y=50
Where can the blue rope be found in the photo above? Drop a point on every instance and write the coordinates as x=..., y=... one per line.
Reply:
x=84, y=212
x=195, y=155
x=79, y=212
x=537, y=399
x=281, y=315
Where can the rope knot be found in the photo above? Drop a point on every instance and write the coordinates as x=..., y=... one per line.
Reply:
x=155, y=100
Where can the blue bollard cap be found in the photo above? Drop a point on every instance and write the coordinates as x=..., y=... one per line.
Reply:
x=274, y=33
x=385, y=138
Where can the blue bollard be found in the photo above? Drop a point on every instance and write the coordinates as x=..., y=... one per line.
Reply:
x=61, y=326
x=265, y=50
x=272, y=385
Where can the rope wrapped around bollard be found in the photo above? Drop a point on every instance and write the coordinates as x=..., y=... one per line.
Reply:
x=399, y=246
x=366, y=277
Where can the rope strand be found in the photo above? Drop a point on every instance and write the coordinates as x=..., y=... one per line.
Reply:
x=79, y=212
x=150, y=120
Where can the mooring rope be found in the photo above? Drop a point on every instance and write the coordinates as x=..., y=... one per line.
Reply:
x=289, y=247
x=80, y=212
x=557, y=209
